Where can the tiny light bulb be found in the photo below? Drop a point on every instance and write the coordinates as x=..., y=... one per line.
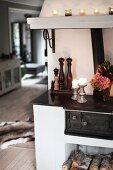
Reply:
x=55, y=12
x=82, y=11
x=96, y=11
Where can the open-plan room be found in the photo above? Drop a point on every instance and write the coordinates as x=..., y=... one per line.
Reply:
x=23, y=77
x=56, y=92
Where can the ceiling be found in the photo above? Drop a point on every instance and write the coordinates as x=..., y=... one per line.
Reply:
x=36, y=3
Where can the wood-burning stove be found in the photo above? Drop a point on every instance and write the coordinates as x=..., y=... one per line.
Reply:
x=90, y=124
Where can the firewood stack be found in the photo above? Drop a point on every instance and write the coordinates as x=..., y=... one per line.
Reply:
x=111, y=162
x=95, y=162
x=105, y=163
x=80, y=161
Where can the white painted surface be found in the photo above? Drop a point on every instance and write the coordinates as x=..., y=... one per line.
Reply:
x=49, y=143
x=108, y=47
x=50, y=140
x=108, y=43
x=102, y=21
x=76, y=44
x=75, y=6
x=73, y=43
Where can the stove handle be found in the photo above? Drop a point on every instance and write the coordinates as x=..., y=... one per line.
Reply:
x=74, y=117
x=84, y=123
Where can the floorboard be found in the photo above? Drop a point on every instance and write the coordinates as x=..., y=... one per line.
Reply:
x=18, y=158
x=17, y=105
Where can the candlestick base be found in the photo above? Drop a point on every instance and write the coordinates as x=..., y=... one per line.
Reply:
x=75, y=94
x=81, y=99
x=81, y=95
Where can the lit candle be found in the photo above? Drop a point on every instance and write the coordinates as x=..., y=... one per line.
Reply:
x=96, y=11
x=82, y=11
x=82, y=81
x=68, y=12
x=110, y=10
x=75, y=84
x=55, y=13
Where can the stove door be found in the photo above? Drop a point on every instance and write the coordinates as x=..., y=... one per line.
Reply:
x=98, y=125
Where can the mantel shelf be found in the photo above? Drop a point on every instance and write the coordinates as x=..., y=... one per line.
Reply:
x=92, y=21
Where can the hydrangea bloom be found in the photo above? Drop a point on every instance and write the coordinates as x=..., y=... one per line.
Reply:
x=100, y=82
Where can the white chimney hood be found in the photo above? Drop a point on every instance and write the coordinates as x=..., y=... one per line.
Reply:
x=91, y=21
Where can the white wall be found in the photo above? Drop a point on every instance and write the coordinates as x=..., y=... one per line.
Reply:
x=75, y=5
x=108, y=43
x=108, y=46
x=74, y=43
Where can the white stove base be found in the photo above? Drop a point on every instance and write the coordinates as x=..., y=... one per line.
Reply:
x=50, y=140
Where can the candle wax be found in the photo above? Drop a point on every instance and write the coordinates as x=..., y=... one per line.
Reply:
x=82, y=81
x=75, y=84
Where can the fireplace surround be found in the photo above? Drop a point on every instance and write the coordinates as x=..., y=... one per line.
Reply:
x=52, y=145
x=73, y=43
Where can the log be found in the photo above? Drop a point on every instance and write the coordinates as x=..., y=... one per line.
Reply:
x=73, y=168
x=74, y=160
x=77, y=158
x=111, y=162
x=86, y=162
x=67, y=164
x=105, y=163
x=95, y=162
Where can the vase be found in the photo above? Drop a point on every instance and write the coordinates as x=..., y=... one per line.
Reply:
x=102, y=95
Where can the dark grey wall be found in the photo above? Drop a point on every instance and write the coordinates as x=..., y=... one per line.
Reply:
x=4, y=23
x=4, y=29
x=38, y=46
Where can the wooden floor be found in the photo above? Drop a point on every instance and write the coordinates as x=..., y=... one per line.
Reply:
x=18, y=157
x=17, y=105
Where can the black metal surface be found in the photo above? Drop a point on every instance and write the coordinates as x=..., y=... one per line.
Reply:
x=89, y=124
x=91, y=119
x=51, y=40
x=64, y=100
x=97, y=46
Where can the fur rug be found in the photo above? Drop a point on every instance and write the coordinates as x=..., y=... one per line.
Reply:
x=15, y=133
x=5, y=145
x=16, y=115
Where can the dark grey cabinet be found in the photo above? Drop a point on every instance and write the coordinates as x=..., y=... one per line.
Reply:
x=91, y=124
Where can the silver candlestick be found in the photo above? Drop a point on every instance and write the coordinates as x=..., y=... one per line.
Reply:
x=81, y=94
x=75, y=94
